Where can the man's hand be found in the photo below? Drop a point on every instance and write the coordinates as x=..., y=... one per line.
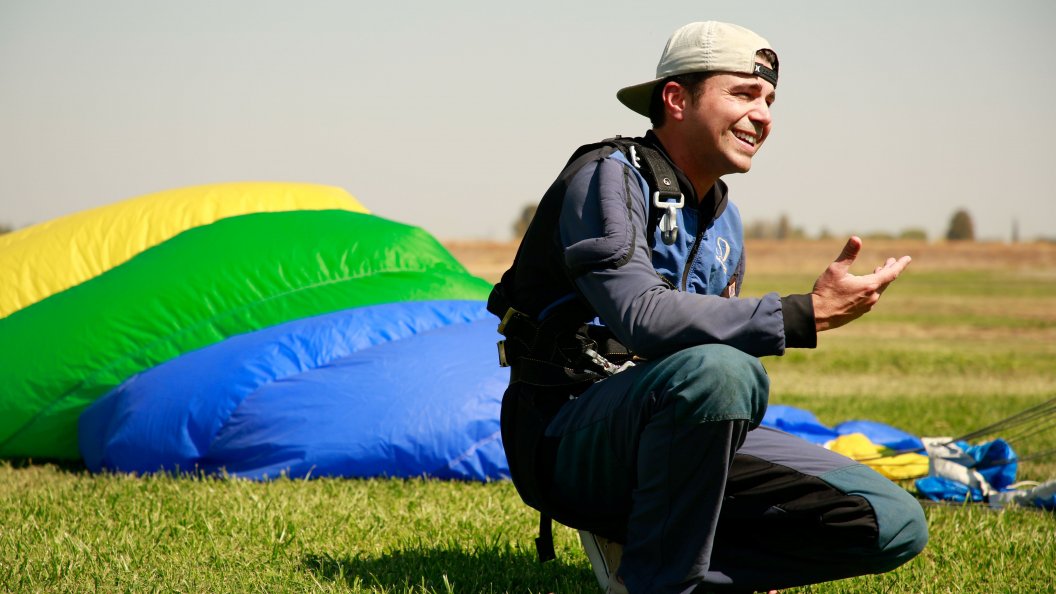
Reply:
x=840, y=297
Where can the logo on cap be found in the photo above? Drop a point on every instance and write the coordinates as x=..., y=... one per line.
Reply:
x=765, y=73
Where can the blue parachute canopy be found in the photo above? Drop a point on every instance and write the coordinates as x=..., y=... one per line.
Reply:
x=804, y=424
x=399, y=389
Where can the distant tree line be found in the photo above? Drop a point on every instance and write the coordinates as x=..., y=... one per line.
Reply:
x=780, y=229
x=961, y=228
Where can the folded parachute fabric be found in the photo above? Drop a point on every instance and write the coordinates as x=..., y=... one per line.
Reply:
x=886, y=449
x=399, y=389
x=881, y=459
x=219, y=278
x=804, y=424
x=47, y=258
x=798, y=422
x=951, y=470
x=959, y=471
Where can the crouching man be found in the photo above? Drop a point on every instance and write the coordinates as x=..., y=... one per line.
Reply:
x=636, y=392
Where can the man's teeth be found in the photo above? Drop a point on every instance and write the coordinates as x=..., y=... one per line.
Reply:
x=745, y=137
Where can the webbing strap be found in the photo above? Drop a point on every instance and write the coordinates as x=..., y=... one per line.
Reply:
x=666, y=196
x=658, y=172
x=550, y=375
x=544, y=545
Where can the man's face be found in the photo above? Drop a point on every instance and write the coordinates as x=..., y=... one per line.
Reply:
x=726, y=123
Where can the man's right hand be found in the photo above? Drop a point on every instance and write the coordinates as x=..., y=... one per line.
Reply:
x=840, y=297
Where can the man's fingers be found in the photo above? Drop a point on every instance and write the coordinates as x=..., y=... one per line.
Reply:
x=890, y=271
x=886, y=264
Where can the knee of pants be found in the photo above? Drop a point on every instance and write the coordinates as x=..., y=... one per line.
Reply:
x=713, y=383
x=903, y=530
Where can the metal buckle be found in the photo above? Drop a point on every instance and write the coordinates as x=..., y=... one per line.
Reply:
x=510, y=312
x=502, y=354
x=607, y=366
x=669, y=221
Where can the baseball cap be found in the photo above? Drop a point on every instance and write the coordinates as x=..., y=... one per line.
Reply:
x=708, y=46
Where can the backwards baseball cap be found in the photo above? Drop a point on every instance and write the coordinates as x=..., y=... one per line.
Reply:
x=709, y=46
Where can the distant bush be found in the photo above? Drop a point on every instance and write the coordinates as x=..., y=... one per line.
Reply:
x=520, y=226
x=961, y=227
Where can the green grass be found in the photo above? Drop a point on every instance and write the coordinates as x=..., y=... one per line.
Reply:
x=943, y=354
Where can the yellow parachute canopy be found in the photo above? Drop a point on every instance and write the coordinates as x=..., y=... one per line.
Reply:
x=39, y=261
x=895, y=467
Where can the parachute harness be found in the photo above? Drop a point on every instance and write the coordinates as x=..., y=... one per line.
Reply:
x=558, y=348
x=667, y=197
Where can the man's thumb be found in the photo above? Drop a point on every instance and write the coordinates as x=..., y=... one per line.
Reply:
x=849, y=253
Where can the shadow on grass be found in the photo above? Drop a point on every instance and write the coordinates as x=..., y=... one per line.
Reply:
x=446, y=570
x=67, y=466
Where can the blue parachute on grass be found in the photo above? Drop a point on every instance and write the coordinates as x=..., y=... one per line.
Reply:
x=804, y=424
x=399, y=389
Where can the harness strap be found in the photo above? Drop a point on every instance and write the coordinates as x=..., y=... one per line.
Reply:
x=544, y=544
x=549, y=375
x=559, y=350
x=667, y=196
x=656, y=170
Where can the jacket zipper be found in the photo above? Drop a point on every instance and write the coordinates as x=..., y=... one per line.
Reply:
x=692, y=256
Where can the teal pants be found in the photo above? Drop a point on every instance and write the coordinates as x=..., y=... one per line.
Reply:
x=666, y=457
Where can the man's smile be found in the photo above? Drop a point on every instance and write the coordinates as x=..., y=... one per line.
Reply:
x=746, y=137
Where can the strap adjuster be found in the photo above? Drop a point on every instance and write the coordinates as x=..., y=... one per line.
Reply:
x=510, y=313
x=502, y=354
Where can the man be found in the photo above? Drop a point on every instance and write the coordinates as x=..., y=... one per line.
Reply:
x=636, y=394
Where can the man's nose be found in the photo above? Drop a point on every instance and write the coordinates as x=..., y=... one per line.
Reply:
x=760, y=114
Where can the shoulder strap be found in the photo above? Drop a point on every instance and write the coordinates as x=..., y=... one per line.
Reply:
x=667, y=196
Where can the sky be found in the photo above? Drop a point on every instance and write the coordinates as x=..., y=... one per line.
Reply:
x=454, y=116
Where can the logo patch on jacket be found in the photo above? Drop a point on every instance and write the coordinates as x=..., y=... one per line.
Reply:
x=722, y=253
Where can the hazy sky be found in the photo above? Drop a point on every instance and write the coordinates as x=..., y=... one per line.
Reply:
x=454, y=115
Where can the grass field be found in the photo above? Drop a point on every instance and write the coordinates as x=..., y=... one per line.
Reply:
x=966, y=337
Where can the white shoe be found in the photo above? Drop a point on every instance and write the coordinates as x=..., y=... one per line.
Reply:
x=604, y=556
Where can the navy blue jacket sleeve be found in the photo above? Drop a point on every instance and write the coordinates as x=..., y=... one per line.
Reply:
x=603, y=230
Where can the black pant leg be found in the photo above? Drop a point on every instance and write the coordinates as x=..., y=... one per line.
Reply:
x=795, y=513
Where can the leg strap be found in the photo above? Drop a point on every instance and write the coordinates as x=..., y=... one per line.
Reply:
x=544, y=545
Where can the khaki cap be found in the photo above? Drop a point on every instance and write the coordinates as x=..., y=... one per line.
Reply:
x=708, y=46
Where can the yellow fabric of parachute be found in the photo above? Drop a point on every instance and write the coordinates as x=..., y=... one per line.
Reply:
x=858, y=447
x=39, y=261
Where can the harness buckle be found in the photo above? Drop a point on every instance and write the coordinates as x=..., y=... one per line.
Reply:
x=502, y=354
x=607, y=366
x=510, y=312
x=669, y=221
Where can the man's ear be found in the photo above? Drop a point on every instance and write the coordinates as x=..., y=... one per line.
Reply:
x=676, y=98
